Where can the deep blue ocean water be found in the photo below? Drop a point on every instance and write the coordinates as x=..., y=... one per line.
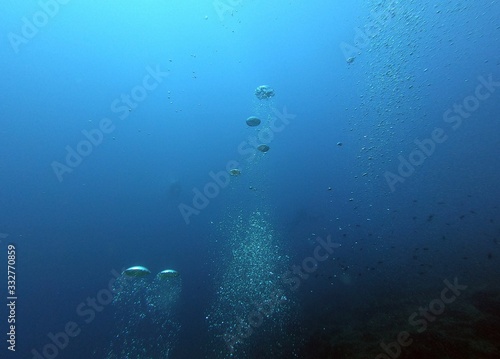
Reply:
x=369, y=229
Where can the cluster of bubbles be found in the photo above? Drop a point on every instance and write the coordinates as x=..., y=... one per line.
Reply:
x=390, y=100
x=144, y=312
x=397, y=68
x=264, y=92
x=252, y=310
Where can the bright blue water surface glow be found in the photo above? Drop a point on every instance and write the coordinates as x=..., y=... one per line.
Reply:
x=362, y=84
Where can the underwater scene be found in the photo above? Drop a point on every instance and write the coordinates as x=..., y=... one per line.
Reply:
x=221, y=179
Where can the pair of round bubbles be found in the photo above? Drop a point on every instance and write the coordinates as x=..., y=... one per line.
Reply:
x=140, y=271
x=253, y=121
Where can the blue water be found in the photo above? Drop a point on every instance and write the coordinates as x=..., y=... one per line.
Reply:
x=118, y=117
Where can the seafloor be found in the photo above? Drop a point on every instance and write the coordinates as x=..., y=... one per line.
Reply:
x=469, y=328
